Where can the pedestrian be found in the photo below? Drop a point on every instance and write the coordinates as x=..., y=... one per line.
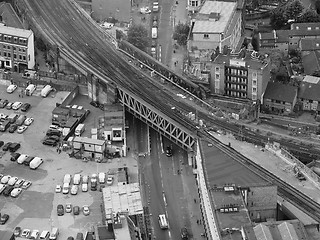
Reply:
x=200, y=222
x=195, y=200
x=57, y=149
x=197, y=221
x=175, y=64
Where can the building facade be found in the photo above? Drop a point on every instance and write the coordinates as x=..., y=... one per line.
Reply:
x=16, y=49
x=242, y=75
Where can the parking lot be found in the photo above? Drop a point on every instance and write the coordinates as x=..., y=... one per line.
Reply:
x=36, y=207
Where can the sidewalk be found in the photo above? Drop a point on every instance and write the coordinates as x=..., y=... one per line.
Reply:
x=179, y=15
x=192, y=195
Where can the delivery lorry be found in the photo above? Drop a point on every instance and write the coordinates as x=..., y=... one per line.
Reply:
x=154, y=33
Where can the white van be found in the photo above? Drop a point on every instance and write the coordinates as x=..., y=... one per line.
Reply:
x=79, y=130
x=44, y=235
x=76, y=179
x=35, y=163
x=102, y=177
x=22, y=158
x=54, y=234
x=30, y=89
x=67, y=178
x=163, y=221
x=46, y=90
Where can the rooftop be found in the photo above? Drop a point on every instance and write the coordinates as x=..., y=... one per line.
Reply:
x=89, y=140
x=305, y=26
x=205, y=25
x=309, y=91
x=311, y=79
x=15, y=31
x=309, y=44
x=280, y=92
x=311, y=62
x=283, y=36
x=122, y=199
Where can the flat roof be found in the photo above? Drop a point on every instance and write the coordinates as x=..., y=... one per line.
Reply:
x=225, y=10
x=15, y=31
x=89, y=140
x=122, y=199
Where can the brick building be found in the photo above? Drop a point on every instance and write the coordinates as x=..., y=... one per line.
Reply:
x=240, y=75
x=16, y=49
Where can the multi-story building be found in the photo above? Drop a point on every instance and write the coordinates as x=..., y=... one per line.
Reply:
x=16, y=49
x=241, y=75
x=194, y=5
x=217, y=24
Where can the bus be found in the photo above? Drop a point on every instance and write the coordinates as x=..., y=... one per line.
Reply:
x=163, y=221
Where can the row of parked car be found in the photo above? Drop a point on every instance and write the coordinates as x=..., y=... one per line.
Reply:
x=25, y=159
x=24, y=107
x=9, y=146
x=35, y=234
x=12, y=186
x=53, y=135
x=14, y=122
x=75, y=209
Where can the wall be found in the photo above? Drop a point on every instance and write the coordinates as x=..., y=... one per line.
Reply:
x=71, y=96
x=262, y=201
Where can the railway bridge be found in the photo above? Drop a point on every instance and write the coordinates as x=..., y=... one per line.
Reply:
x=84, y=45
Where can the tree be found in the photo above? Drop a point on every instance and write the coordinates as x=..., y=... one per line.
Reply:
x=293, y=10
x=278, y=18
x=309, y=15
x=316, y=73
x=40, y=44
x=317, y=6
x=138, y=36
x=181, y=33
x=255, y=42
x=282, y=75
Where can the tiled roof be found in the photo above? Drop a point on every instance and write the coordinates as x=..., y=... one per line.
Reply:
x=309, y=44
x=309, y=91
x=280, y=92
x=311, y=62
x=262, y=232
x=225, y=9
x=287, y=231
x=282, y=36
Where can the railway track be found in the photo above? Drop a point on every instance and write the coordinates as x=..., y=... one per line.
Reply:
x=285, y=190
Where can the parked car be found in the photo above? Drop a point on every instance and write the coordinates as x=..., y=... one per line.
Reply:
x=3, y=116
x=26, y=184
x=110, y=180
x=34, y=234
x=5, y=179
x=14, y=147
x=2, y=187
x=17, y=231
x=86, y=210
x=21, y=129
x=50, y=142
x=74, y=189
x=60, y=210
x=28, y=160
x=68, y=208
x=4, y=218
x=52, y=137
x=84, y=187
x=9, y=106
x=19, y=183
x=12, y=181
x=85, y=179
x=25, y=107
x=76, y=210
x=6, y=146
x=16, y=105
x=16, y=192
x=14, y=156
x=13, y=128
x=8, y=190
x=25, y=233
x=53, y=132
x=44, y=235
x=28, y=121
x=58, y=188
x=3, y=103
x=22, y=158
x=1, y=143
x=11, y=88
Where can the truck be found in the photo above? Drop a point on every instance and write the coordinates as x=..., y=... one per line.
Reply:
x=154, y=33
x=69, y=126
x=79, y=130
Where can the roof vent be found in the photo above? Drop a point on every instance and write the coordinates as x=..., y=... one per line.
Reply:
x=214, y=16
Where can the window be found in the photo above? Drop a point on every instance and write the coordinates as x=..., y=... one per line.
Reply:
x=5, y=54
x=217, y=69
x=309, y=28
x=217, y=76
x=206, y=36
x=194, y=3
x=15, y=56
x=20, y=57
x=254, y=75
x=9, y=38
x=24, y=58
x=5, y=37
x=254, y=83
x=254, y=89
x=15, y=39
x=9, y=54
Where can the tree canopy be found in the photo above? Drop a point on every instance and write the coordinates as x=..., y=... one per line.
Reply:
x=309, y=15
x=138, y=36
x=181, y=33
x=317, y=6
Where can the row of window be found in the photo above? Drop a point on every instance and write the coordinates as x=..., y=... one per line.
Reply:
x=308, y=28
x=14, y=48
x=237, y=72
x=237, y=79
x=8, y=54
x=194, y=3
x=236, y=87
x=236, y=94
x=7, y=38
